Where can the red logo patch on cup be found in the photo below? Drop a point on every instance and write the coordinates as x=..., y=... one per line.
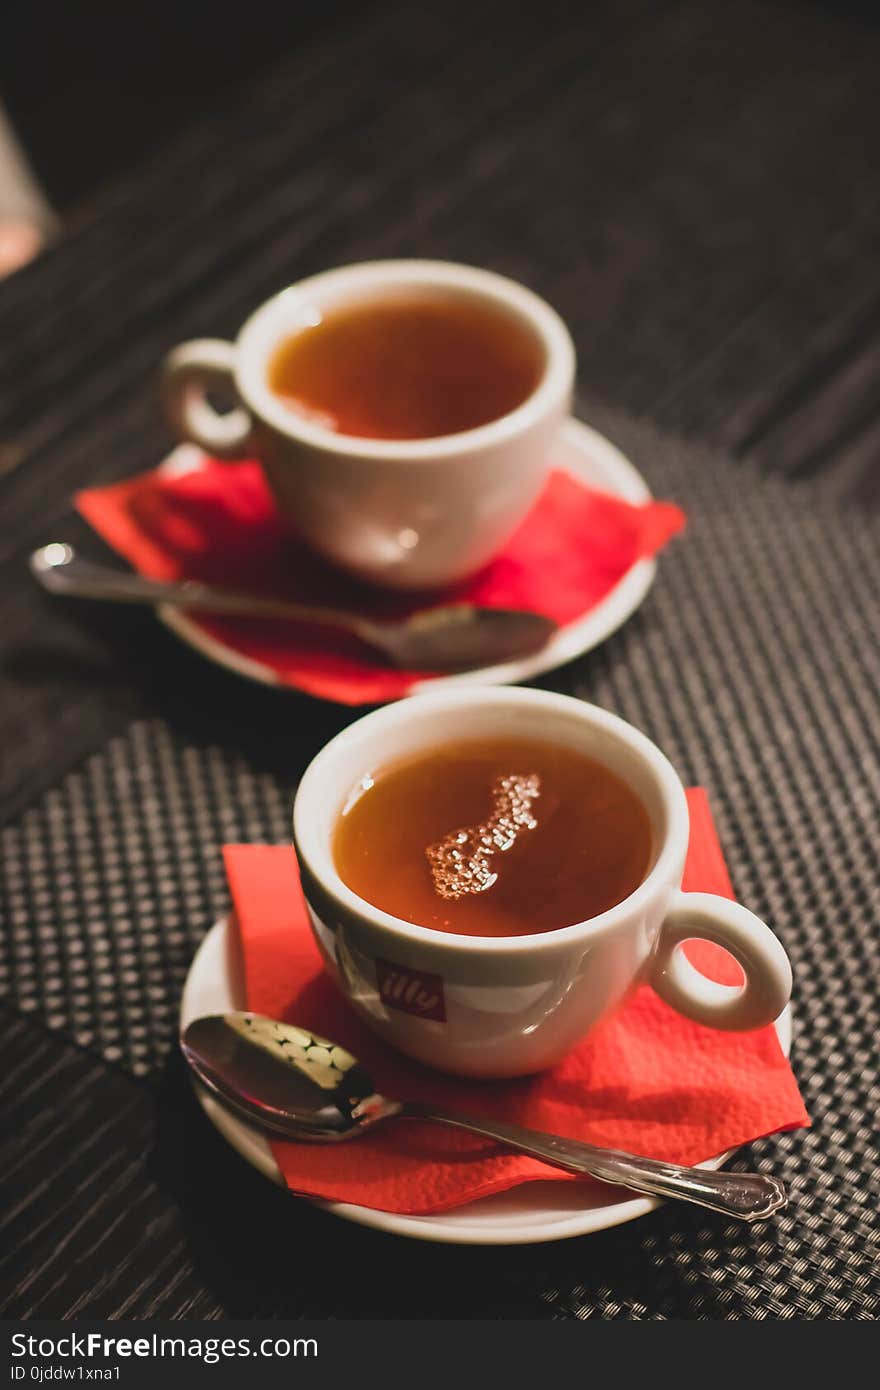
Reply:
x=411, y=991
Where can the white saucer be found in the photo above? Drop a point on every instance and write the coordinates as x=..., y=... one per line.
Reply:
x=535, y=1211
x=584, y=453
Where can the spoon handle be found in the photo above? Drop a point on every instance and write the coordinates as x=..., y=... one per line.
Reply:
x=746, y=1196
x=60, y=570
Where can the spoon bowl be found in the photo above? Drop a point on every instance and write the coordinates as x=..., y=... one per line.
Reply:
x=283, y=1078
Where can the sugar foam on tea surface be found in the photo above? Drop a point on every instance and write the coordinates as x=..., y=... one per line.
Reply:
x=462, y=862
x=504, y=837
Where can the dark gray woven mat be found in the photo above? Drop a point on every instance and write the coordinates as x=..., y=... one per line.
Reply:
x=753, y=663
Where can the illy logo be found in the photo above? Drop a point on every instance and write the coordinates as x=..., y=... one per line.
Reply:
x=411, y=991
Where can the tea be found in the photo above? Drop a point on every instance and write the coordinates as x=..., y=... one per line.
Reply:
x=499, y=838
x=411, y=367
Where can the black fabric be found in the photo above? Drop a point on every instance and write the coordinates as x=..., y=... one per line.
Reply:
x=691, y=185
x=60, y=107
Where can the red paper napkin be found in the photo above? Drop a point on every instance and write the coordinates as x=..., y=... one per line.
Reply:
x=216, y=522
x=646, y=1080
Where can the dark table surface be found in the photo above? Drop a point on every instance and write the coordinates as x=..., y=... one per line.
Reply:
x=696, y=187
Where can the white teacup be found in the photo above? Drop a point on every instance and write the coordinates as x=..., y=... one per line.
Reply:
x=507, y=1006
x=401, y=513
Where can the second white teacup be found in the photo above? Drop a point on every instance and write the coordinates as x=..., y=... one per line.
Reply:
x=506, y=1006
x=397, y=512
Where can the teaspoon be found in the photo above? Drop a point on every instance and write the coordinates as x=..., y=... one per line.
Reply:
x=294, y=1083
x=451, y=637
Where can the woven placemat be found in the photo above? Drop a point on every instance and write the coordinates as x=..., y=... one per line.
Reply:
x=753, y=664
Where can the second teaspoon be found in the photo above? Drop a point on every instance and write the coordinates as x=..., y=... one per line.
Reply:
x=448, y=638
x=294, y=1083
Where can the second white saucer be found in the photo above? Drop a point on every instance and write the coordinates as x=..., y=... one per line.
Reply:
x=583, y=453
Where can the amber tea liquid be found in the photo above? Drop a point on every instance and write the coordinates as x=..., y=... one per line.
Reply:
x=504, y=837
x=408, y=367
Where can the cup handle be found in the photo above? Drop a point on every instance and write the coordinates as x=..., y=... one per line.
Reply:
x=734, y=1008
x=188, y=373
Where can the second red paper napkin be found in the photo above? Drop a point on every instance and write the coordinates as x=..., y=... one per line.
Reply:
x=216, y=522
x=646, y=1080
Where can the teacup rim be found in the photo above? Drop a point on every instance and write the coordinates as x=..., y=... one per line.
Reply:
x=552, y=390
x=665, y=871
